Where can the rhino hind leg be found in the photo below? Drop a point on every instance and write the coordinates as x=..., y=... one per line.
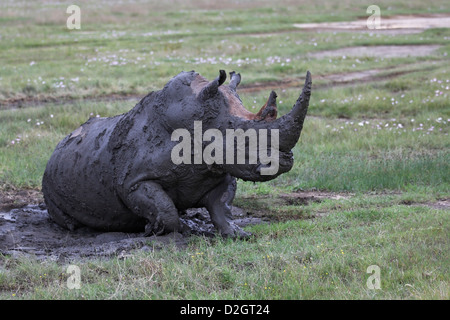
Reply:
x=149, y=200
x=218, y=202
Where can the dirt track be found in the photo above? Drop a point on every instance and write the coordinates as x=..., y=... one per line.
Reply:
x=392, y=25
x=379, y=51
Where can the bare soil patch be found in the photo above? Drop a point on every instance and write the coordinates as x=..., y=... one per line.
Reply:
x=287, y=206
x=441, y=204
x=378, y=51
x=22, y=102
x=393, y=24
x=306, y=197
x=13, y=198
x=335, y=79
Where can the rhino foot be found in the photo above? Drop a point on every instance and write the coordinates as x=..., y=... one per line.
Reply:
x=218, y=202
x=152, y=230
x=148, y=200
x=235, y=232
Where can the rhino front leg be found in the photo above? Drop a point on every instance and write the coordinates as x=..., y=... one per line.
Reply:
x=218, y=202
x=149, y=200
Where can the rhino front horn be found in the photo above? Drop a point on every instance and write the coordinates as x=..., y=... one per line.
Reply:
x=211, y=89
x=291, y=124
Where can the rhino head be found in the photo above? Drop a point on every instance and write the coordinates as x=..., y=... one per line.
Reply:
x=217, y=130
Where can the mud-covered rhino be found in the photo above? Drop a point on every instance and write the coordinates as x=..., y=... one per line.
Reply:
x=118, y=174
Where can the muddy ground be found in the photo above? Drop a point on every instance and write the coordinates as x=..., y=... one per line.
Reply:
x=29, y=231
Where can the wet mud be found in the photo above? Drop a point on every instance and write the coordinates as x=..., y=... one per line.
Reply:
x=29, y=231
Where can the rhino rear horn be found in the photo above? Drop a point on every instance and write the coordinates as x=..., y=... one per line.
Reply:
x=211, y=89
x=269, y=111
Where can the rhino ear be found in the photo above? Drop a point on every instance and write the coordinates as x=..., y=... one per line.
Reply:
x=211, y=89
x=235, y=80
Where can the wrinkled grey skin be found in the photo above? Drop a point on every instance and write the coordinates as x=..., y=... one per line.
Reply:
x=116, y=174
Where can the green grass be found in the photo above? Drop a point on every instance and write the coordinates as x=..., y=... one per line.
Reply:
x=383, y=144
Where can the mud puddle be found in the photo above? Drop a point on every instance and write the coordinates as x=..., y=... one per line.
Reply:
x=28, y=231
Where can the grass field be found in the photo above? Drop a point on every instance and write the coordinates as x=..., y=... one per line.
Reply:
x=382, y=143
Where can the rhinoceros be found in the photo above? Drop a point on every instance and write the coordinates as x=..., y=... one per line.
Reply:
x=118, y=173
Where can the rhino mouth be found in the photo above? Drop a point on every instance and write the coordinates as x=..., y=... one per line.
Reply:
x=281, y=165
